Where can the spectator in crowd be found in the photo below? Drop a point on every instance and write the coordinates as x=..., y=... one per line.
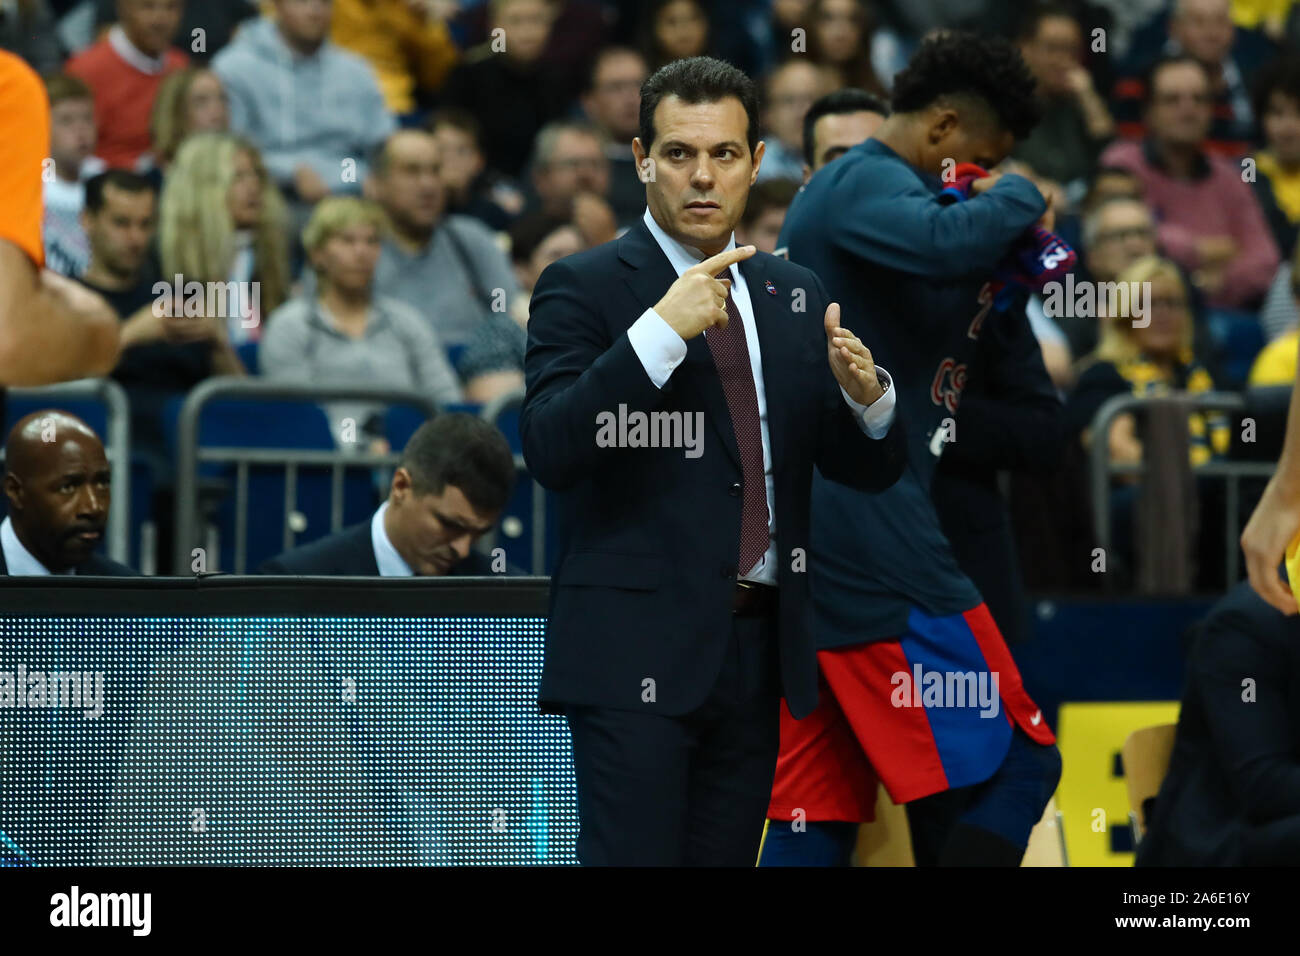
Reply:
x=1280, y=315
x=760, y=223
x=223, y=223
x=1116, y=233
x=1076, y=122
x=349, y=332
x=493, y=363
x=839, y=37
x=1277, y=172
x=165, y=353
x=612, y=102
x=124, y=70
x=314, y=110
x=673, y=30
x=570, y=175
x=72, y=148
x=471, y=188
x=1209, y=220
x=836, y=123
x=454, y=480
x=27, y=29
x=406, y=42
x=206, y=26
x=512, y=93
x=58, y=488
x=790, y=91
x=1202, y=30
x=189, y=101
x=1146, y=360
x=1276, y=363
x=448, y=269
x=1231, y=796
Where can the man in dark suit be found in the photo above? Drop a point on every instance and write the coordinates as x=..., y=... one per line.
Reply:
x=57, y=483
x=454, y=481
x=679, y=608
x=1232, y=793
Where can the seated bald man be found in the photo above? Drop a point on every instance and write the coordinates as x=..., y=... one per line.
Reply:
x=57, y=482
x=454, y=480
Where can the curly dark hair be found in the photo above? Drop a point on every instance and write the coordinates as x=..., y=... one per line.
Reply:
x=960, y=63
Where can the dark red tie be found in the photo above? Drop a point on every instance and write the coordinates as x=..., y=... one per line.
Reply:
x=731, y=356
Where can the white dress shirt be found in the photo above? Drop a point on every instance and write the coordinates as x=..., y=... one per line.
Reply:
x=661, y=350
x=18, y=559
x=391, y=564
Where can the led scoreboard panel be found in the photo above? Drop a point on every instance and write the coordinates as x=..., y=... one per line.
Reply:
x=279, y=721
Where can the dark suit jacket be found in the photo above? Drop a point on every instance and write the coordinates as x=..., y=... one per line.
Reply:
x=98, y=565
x=1235, y=768
x=648, y=538
x=1009, y=419
x=350, y=552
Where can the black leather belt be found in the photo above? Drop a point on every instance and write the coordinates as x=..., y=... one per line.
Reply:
x=753, y=600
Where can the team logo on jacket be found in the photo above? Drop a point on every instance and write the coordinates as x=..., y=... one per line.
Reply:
x=949, y=380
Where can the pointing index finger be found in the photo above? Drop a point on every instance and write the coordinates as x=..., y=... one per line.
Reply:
x=724, y=260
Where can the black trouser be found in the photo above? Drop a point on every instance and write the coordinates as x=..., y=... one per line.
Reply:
x=691, y=790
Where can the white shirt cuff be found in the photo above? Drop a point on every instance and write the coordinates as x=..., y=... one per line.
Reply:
x=875, y=418
x=659, y=348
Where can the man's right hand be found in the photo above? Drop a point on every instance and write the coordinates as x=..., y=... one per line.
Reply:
x=697, y=301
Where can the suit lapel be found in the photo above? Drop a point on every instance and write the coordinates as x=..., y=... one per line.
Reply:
x=653, y=275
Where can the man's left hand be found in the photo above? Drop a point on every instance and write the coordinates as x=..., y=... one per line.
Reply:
x=850, y=360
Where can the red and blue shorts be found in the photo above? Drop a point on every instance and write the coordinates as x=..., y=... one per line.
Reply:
x=928, y=711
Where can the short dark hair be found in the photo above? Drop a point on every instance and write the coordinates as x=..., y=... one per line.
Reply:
x=1164, y=62
x=1033, y=18
x=530, y=231
x=63, y=86
x=848, y=100
x=460, y=119
x=768, y=194
x=598, y=61
x=698, y=79
x=1281, y=76
x=462, y=450
x=957, y=63
x=123, y=179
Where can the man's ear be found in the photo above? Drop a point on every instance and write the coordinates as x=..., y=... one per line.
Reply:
x=807, y=172
x=638, y=151
x=14, y=492
x=758, y=160
x=401, y=485
x=943, y=125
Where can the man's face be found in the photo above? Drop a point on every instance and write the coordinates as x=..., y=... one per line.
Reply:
x=305, y=22
x=120, y=233
x=1053, y=53
x=347, y=259
x=578, y=164
x=527, y=26
x=1164, y=334
x=1203, y=28
x=952, y=138
x=72, y=135
x=461, y=159
x=702, y=170
x=411, y=188
x=1125, y=234
x=1281, y=122
x=1180, y=110
x=150, y=24
x=792, y=90
x=432, y=532
x=764, y=231
x=61, y=507
x=614, y=102
x=837, y=133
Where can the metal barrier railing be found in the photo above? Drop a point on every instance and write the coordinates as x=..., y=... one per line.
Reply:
x=491, y=412
x=1101, y=470
x=189, y=456
x=117, y=448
